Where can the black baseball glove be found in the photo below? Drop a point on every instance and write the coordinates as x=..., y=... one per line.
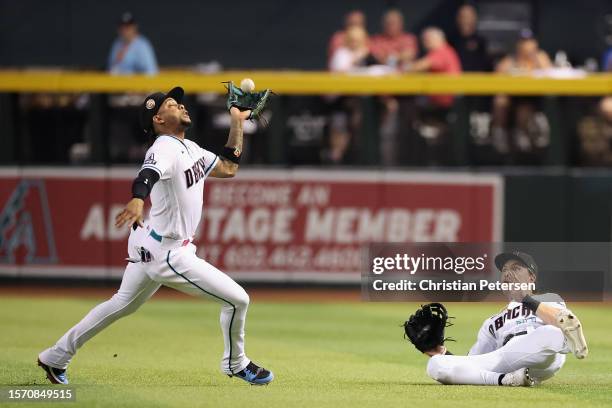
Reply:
x=425, y=328
x=253, y=101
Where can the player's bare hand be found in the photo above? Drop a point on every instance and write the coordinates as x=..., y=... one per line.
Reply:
x=132, y=213
x=238, y=114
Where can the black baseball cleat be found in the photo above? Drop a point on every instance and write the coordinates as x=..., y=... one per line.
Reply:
x=255, y=375
x=55, y=375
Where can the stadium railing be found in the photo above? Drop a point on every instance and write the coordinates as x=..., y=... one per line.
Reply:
x=307, y=83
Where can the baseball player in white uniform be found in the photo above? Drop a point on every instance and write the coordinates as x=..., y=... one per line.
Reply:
x=522, y=345
x=160, y=249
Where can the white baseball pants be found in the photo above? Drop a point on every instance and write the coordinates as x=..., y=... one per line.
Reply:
x=174, y=265
x=542, y=351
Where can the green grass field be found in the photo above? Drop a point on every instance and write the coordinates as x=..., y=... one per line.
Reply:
x=332, y=355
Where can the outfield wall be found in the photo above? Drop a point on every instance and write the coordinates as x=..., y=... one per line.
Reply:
x=264, y=225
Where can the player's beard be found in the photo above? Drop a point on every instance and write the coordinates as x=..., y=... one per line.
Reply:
x=185, y=123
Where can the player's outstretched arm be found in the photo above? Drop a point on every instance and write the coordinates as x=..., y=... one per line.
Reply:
x=229, y=160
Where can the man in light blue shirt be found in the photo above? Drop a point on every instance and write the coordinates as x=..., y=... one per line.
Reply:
x=131, y=52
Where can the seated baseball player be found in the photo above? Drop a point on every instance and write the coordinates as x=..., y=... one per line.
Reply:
x=522, y=345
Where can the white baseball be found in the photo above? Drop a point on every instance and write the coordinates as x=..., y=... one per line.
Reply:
x=247, y=85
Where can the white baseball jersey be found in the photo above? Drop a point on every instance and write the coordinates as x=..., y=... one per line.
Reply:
x=178, y=196
x=514, y=320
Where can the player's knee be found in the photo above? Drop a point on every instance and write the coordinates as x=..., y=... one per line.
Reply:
x=551, y=368
x=550, y=337
x=438, y=370
x=245, y=299
x=241, y=299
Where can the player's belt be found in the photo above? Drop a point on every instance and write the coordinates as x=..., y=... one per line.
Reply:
x=155, y=235
x=159, y=238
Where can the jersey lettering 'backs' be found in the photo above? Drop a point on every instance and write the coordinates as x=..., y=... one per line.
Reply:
x=509, y=314
x=514, y=320
x=177, y=198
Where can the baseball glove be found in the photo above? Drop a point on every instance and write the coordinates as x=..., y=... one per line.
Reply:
x=253, y=101
x=425, y=328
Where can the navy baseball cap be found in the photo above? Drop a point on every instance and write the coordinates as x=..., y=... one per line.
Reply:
x=522, y=257
x=127, y=18
x=153, y=102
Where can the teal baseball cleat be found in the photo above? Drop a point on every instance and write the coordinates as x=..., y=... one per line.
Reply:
x=55, y=375
x=255, y=375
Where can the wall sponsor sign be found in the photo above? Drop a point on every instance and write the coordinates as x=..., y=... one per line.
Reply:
x=262, y=225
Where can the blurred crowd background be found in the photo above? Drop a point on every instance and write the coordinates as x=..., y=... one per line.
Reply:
x=531, y=37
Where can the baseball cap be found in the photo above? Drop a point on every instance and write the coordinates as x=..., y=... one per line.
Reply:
x=522, y=257
x=127, y=18
x=153, y=102
x=525, y=34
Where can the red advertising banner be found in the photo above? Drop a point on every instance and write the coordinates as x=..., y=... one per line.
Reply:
x=262, y=225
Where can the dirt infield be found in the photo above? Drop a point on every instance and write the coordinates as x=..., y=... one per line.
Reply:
x=280, y=294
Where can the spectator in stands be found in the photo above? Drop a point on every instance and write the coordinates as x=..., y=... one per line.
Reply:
x=440, y=58
x=519, y=129
x=472, y=49
x=352, y=56
x=355, y=18
x=354, y=53
x=394, y=47
x=595, y=136
x=527, y=57
x=428, y=131
x=345, y=112
x=470, y=46
x=131, y=53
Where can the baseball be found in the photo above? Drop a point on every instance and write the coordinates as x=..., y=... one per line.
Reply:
x=247, y=85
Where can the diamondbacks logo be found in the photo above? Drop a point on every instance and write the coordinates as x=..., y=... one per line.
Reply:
x=150, y=159
x=26, y=230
